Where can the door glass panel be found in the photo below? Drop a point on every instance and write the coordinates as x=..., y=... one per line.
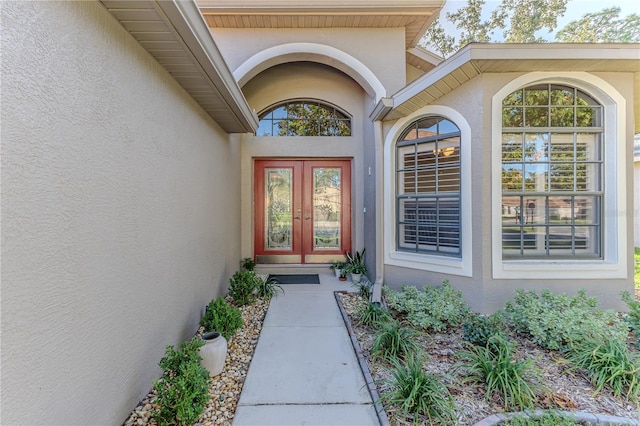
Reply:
x=278, y=208
x=326, y=208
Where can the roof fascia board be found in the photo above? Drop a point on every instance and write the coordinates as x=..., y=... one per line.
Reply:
x=457, y=60
x=190, y=26
x=425, y=55
x=381, y=109
x=550, y=51
x=327, y=7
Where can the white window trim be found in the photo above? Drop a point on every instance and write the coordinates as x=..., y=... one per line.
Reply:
x=614, y=224
x=461, y=266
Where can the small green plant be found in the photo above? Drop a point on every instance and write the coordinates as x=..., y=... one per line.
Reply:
x=546, y=419
x=609, y=364
x=183, y=390
x=556, y=320
x=222, y=317
x=364, y=288
x=417, y=392
x=632, y=318
x=268, y=287
x=339, y=265
x=248, y=264
x=243, y=286
x=372, y=314
x=435, y=308
x=393, y=340
x=494, y=364
x=479, y=328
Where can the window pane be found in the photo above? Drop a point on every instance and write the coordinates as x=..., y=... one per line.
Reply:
x=561, y=117
x=561, y=95
x=587, y=210
x=445, y=126
x=427, y=127
x=562, y=177
x=512, y=177
x=587, y=117
x=536, y=117
x=511, y=147
x=514, y=98
x=536, y=95
x=511, y=208
x=560, y=210
x=536, y=146
x=562, y=147
x=535, y=179
x=512, y=117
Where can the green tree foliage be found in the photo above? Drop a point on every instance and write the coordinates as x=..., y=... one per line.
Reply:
x=606, y=26
x=525, y=21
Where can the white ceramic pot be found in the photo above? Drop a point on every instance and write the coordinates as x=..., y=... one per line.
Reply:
x=337, y=271
x=214, y=352
x=356, y=278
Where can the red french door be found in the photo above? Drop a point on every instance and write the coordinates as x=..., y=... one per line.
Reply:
x=302, y=210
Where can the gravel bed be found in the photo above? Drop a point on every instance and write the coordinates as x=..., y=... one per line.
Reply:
x=568, y=390
x=225, y=388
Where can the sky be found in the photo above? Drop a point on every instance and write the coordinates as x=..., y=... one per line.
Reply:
x=575, y=10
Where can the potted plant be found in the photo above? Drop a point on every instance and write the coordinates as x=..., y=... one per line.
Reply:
x=356, y=266
x=357, y=270
x=337, y=267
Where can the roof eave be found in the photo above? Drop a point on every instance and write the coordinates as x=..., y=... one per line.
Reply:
x=184, y=21
x=476, y=58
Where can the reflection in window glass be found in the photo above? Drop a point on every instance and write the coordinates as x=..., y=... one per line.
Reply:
x=304, y=118
x=551, y=173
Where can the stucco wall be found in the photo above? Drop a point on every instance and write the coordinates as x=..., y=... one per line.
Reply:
x=120, y=209
x=307, y=81
x=366, y=45
x=482, y=291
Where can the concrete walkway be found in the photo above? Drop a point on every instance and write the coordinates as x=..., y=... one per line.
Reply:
x=304, y=370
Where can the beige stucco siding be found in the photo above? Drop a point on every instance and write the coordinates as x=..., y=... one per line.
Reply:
x=474, y=101
x=367, y=46
x=119, y=215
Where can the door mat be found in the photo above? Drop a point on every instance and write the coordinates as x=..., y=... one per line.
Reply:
x=296, y=278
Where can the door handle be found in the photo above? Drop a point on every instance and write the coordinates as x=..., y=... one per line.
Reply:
x=307, y=217
x=297, y=217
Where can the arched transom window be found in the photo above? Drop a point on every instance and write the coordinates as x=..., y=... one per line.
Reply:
x=304, y=118
x=552, y=173
x=428, y=188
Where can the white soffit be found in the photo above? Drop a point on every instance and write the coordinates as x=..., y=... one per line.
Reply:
x=478, y=58
x=414, y=15
x=176, y=35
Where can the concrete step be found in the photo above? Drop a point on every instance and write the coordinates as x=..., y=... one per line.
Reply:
x=292, y=269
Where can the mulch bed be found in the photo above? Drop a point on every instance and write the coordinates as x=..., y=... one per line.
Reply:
x=568, y=389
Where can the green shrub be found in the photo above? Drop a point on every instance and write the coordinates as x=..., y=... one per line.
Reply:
x=479, y=328
x=546, y=419
x=609, y=364
x=243, y=286
x=394, y=341
x=494, y=364
x=554, y=320
x=183, y=390
x=268, y=287
x=222, y=317
x=633, y=316
x=248, y=264
x=435, y=308
x=364, y=288
x=417, y=392
x=372, y=314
